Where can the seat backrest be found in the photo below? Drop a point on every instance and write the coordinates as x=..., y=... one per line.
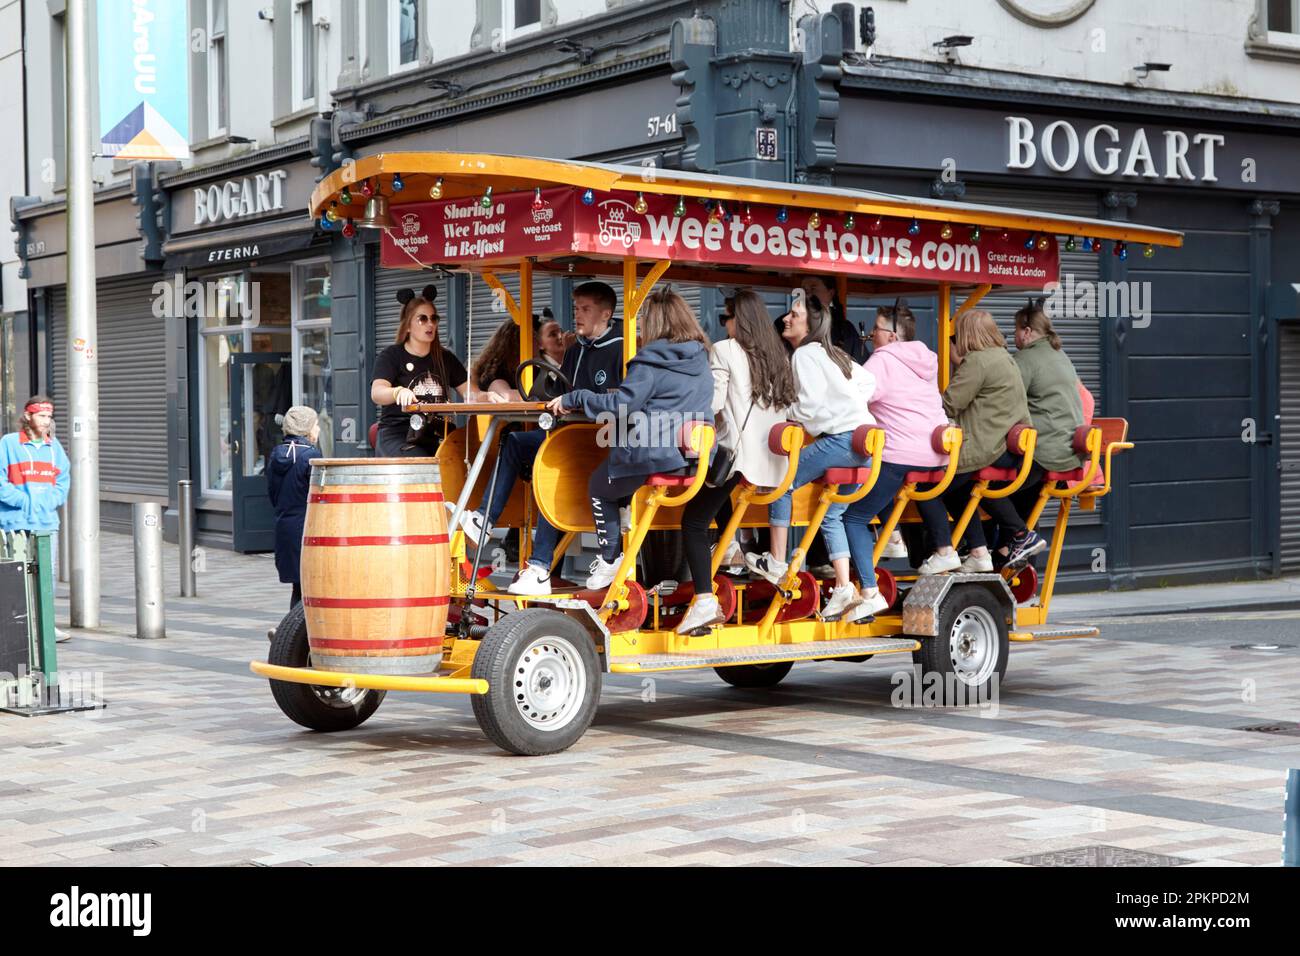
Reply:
x=1014, y=438
x=373, y=435
x=1080, y=441
x=860, y=436
x=937, y=439
x=688, y=439
x=1112, y=430
x=783, y=437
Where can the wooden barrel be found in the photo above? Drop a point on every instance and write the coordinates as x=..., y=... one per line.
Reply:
x=376, y=566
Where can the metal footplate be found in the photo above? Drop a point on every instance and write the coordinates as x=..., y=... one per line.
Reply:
x=761, y=654
x=1063, y=633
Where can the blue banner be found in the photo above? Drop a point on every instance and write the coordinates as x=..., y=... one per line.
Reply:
x=144, y=105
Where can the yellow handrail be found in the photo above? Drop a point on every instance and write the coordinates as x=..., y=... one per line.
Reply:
x=952, y=437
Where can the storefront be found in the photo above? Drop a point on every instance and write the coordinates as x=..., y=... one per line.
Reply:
x=1174, y=343
x=129, y=353
x=249, y=284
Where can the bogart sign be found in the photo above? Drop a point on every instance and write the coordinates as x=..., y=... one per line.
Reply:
x=760, y=236
x=1170, y=154
x=240, y=198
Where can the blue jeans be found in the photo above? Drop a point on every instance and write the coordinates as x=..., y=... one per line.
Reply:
x=519, y=450
x=877, y=503
x=829, y=451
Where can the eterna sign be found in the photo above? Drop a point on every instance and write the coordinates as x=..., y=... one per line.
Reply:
x=1171, y=154
x=239, y=198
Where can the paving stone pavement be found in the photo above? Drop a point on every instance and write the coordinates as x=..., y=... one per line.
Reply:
x=1114, y=743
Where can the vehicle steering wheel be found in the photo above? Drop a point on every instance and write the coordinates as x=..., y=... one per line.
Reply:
x=548, y=381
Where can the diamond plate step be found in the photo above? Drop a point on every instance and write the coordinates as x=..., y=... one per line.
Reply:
x=1063, y=633
x=761, y=654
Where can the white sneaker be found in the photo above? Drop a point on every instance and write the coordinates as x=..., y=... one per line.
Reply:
x=843, y=599
x=705, y=611
x=940, y=563
x=895, y=548
x=766, y=566
x=873, y=603
x=531, y=579
x=602, y=572
x=475, y=527
x=974, y=565
x=734, y=559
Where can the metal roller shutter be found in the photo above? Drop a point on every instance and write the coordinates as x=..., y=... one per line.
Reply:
x=388, y=311
x=486, y=313
x=1289, y=436
x=132, y=385
x=1080, y=335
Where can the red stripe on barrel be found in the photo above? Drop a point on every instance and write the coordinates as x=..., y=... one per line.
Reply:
x=325, y=642
x=433, y=600
x=345, y=498
x=363, y=541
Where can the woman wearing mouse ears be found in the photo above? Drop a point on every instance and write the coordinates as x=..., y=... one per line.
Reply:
x=415, y=368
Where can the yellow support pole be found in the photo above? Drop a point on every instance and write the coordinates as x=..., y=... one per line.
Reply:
x=973, y=299
x=945, y=334
x=525, y=320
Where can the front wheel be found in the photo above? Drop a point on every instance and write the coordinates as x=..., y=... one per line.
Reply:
x=543, y=679
x=968, y=657
x=316, y=708
x=755, y=675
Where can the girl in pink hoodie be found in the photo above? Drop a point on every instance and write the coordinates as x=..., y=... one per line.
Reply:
x=908, y=406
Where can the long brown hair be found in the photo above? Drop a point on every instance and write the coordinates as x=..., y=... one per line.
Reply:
x=410, y=303
x=975, y=331
x=499, y=358
x=770, y=376
x=819, y=331
x=1032, y=317
x=667, y=316
x=27, y=427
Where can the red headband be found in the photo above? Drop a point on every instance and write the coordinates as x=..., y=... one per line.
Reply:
x=37, y=407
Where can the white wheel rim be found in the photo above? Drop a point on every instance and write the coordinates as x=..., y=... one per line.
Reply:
x=973, y=646
x=549, y=684
x=343, y=698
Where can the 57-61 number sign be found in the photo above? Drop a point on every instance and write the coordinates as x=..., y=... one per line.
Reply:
x=765, y=143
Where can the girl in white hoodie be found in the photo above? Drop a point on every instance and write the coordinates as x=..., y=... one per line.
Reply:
x=833, y=392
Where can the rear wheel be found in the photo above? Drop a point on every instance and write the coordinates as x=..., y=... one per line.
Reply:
x=543, y=679
x=968, y=657
x=317, y=708
x=755, y=675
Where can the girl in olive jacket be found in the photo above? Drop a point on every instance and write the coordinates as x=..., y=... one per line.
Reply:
x=986, y=399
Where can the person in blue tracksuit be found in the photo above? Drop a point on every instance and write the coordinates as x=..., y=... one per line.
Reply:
x=287, y=479
x=34, y=472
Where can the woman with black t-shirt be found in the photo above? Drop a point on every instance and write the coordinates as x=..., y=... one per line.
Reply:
x=414, y=369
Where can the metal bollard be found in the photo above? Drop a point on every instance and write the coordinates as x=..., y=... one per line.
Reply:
x=185, y=536
x=1291, y=820
x=63, y=561
x=147, y=533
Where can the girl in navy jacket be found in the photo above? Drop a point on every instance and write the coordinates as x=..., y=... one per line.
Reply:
x=287, y=479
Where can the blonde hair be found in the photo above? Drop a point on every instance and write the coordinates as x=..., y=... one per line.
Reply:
x=975, y=331
x=667, y=316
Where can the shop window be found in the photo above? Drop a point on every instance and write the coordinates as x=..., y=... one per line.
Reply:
x=404, y=28
x=1275, y=30
x=311, y=347
x=304, y=55
x=243, y=312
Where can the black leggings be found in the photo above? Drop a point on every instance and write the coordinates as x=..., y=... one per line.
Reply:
x=708, y=503
x=1002, y=510
x=606, y=492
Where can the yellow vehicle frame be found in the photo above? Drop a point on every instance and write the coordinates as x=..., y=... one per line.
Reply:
x=767, y=639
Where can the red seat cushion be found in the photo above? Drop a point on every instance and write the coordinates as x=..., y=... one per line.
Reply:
x=671, y=481
x=1075, y=475
x=997, y=474
x=846, y=476
x=923, y=477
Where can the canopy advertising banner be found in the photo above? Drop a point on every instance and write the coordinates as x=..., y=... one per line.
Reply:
x=143, y=79
x=766, y=237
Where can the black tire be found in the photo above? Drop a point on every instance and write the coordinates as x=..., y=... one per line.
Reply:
x=325, y=709
x=519, y=653
x=755, y=675
x=969, y=617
